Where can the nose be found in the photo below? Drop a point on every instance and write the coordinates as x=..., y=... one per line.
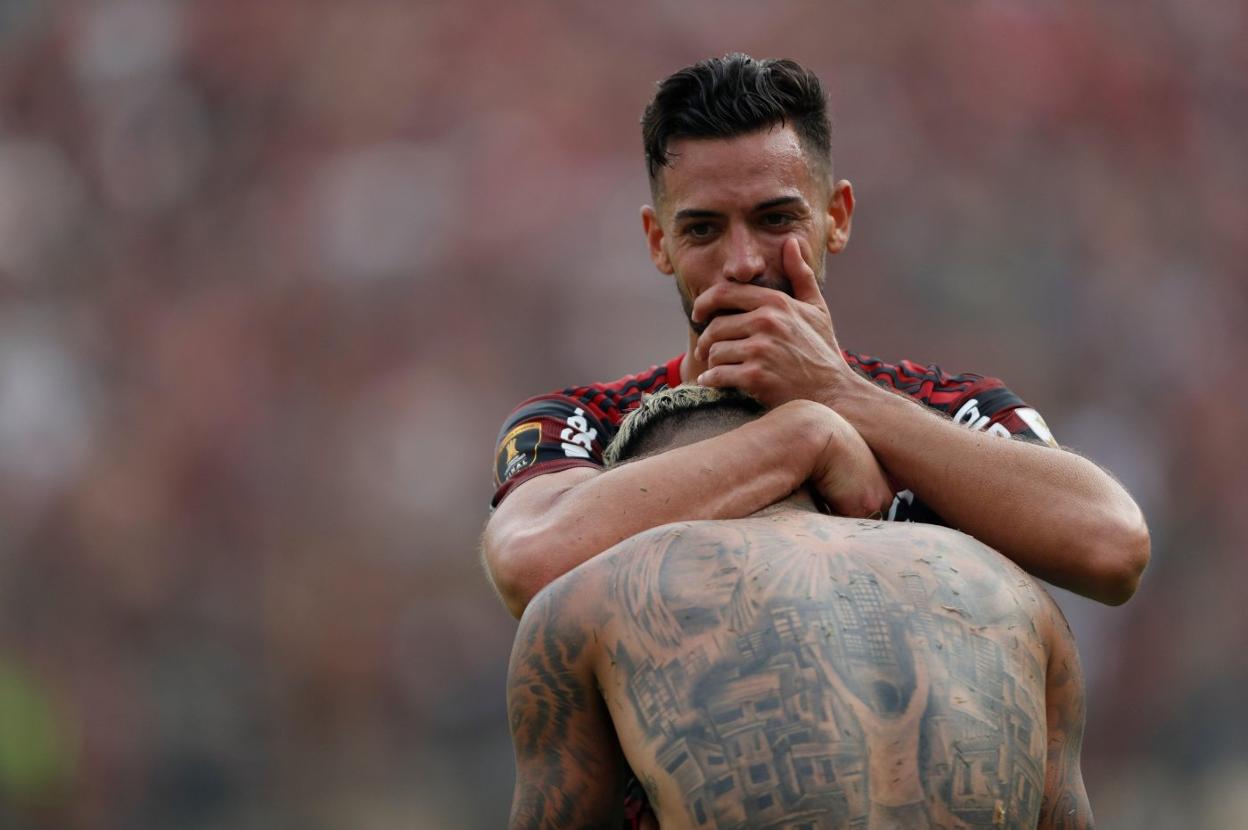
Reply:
x=743, y=256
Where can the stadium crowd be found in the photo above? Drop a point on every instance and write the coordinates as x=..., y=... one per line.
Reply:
x=272, y=273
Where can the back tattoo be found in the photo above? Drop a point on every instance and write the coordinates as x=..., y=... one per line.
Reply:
x=798, y=671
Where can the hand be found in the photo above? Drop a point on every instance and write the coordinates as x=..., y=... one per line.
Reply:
x=845, y=472
x=775, y=347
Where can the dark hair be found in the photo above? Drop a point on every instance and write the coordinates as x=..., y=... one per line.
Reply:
x=657, y=424
x=731, y=96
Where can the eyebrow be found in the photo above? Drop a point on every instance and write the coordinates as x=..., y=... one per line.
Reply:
x=783, y=201
x=694, y=213
x=697, y=213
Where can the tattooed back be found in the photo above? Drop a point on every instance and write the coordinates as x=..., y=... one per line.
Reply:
x=801, y=671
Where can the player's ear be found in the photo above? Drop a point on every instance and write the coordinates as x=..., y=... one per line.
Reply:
x=840, y=215
x=654, y=239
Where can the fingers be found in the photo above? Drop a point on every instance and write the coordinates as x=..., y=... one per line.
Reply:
x=729, y=327
x=767, y=320
x=734, y=376
x=730, y=351
x=734, y=296
x=800, y=275
x=748, y=377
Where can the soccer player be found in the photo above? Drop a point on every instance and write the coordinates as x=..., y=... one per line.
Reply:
x=793, y=670
x=745, y=212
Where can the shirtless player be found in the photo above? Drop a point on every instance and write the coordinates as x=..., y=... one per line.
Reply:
x=794, y=670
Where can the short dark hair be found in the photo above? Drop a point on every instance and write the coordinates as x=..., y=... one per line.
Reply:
x=657, y=424
x=735, y=95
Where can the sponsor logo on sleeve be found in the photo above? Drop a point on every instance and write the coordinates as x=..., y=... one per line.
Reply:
x=578, y=436
x=970, y=417
x=1036, y=424
x=517, y=450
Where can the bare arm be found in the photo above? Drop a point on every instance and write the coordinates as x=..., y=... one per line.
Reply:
x=552, y=523
x=1056, y=514
x=1065, y=805
x=569, y=767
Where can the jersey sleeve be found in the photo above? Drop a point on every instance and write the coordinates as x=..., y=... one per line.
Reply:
x=546, y=434
x=976, y=402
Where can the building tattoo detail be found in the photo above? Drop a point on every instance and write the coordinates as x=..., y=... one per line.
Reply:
x=877, y=705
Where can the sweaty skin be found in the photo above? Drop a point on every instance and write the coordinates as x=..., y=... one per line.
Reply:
x=796, y=670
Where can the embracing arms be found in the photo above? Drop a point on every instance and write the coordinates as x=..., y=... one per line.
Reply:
x=1053, y=512
x=552, y=523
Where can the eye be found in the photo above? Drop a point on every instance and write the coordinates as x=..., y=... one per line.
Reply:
x=777, y=220
x=700, y=230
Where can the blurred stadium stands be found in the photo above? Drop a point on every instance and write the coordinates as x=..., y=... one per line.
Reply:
x=272, y=273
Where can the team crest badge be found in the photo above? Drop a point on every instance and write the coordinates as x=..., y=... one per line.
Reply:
x=517, y=450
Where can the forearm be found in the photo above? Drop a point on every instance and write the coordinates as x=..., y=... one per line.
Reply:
x=538, y=534
x=1056, y=514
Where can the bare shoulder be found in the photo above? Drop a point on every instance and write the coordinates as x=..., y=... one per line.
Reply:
x=681, y=550
x=961, y=564
x=664, y=536
x=692, y=557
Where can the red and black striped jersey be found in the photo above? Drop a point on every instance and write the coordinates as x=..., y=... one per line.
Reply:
x=571, y=428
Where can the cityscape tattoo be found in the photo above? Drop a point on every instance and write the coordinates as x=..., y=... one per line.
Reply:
x=810, y=673
x=815, y=694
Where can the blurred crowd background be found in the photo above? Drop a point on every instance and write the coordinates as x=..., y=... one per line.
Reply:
x=272, y=273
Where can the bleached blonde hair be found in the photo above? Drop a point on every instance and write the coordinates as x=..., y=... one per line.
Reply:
x=652, y=425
